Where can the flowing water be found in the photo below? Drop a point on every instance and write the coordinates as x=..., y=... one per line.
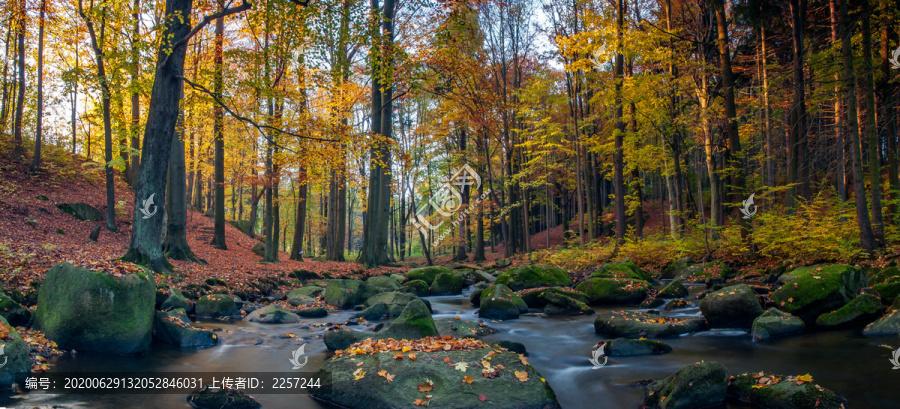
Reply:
x=559, y=347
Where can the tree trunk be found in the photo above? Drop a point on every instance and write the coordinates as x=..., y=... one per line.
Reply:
x=888, y=108
x=300, y=218
x=158, y=135
x=731, y=126
x=135, y=94
x=20, y=99
x=36, y=163
x=866, y=237
x=218, y=239
x=799, y=167
x=838, y=110
x=175, y=245
x=872, y=126
x=618, y=161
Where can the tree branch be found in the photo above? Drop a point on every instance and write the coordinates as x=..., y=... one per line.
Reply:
x=259, y=127
x=206, y=20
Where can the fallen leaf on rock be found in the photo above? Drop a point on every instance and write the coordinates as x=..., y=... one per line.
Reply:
x=521, y=376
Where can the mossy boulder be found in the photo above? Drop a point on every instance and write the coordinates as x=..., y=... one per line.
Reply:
x=862, y=307
x=614, y=291
x=414, y=322
x=395, y=302
x=81, y=211
x=460, y=328
x=675, y=289
x=760, y=390
x=697, y=385
x=446, y=284
x=676, y=268
x=775, y=323
x=313, y=312
x=16, y=314
x=533, y=276
x=175, y=300
x=93, y=311
x=259, y=249
x=345, y=293
x=417, y=287
x=427, y=274
x=502, y=263
x=731, y=307
x=482, y=276
x=16, y=352
x=888, y=325
x=652, y=302
x=384, y=282
x=715, y=270
x=174, y=327
x=676, y=304
x=634, y=324
x=815, y=290
x=534, y=297
x=504, y=391
x=272, y=314
x=217, y=306
x=500, y=302
x=221, y=399
x=633, y=347
x=621, y=269
x=889, y=290
x=375, y=312
x=885, y=274
x=304, y=295
x=559, y=303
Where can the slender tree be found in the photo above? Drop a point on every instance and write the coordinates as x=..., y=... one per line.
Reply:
x=38, y=131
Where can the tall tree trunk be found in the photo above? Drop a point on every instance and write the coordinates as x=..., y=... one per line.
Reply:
x=7, y=85
x=175, y=245
x=618, y=160
x=770, y=151
x=731, y=126
x=135, y=94
x=300, y=218
x=36, y=163
x=866, y=236
x=20, y=99
x=838, y=109
x=218, y=239
x=158, y=135
x=872, y=126
x=74, y=101
x=888, y=109
x=799, y=165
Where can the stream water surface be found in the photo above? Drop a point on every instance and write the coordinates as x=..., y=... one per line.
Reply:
x=559, y=347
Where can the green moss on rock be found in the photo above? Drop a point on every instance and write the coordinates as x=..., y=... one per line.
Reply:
x=427, y=274
x=533, y=276
x=785, y=394
x=865, y=305
x=93, y=311
x=500, y=302
x=675, y=289
x=697, y=385
x=174, y=327
x=815, y=290
x=16, y=314
x=417, y=287
x=888, y=325
x=775, y=323
x=272, y=314
x=447, y=284
x=605, y=291
x=731, y=307
x=16, y=352
x=215, y=306
x=621, y=269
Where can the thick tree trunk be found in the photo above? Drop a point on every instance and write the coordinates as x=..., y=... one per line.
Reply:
x=866, y=237
x=175, y=245
x=872, y=126
x=135, y=94
x=36, y=162
x=731, y=126
x=218, y=239
x=300, y=218
x=838, y=110
x=158, y=134
x=888, y=109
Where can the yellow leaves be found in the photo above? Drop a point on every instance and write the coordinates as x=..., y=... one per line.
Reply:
x=804, y=378
x=521, y=376
x=422, y=402
x=790, y=299
x=359, y=374
x=405, y=349
x=398, y=356
x=468, y=379
x=383, y=373
x=412, y=356
x=523, y=359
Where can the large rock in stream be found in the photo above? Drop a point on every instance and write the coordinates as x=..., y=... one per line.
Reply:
x=345, y=293
x=809, y=292
x=766, y=390
x=93, y=311
x=534, y=276
x=15, y=352
x=698, y=385
x=862, y=307
x=634, y=324
x=775, y=323
x=427, y=274
x=731, y=307
x=500, y=303
x=614, y=291
x=174, y=327
x=382, y=380
x=414, y=322
x=888, y=325
x=218, y=306
x=272, y=314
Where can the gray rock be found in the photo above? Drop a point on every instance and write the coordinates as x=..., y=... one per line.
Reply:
x=731, y=307
x=633, y=347
x=697, y=385
x=272, y=314
x=216, y=306
x=633, y=324
x=775, y=323
x=501, y=303
x=174, y=327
